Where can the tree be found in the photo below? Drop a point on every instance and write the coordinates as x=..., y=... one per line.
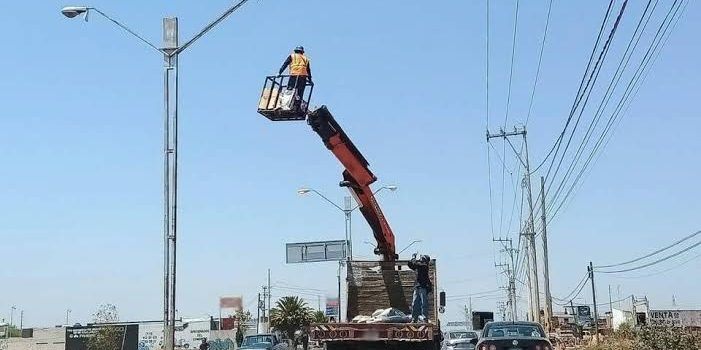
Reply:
x=243, y=317
x=290, y=315
x=319, y=317
x=106, y=313
x=239, y=335
x=107, y=336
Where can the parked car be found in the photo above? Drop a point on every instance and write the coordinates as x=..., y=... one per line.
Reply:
x=513, y=336
x=453, y=340
x=262, y=342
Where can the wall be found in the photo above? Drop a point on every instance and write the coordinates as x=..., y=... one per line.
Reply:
x=44, y=339
x=188, y=334
x=222, y=340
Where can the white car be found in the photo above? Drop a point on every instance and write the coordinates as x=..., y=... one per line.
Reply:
x=455, y=340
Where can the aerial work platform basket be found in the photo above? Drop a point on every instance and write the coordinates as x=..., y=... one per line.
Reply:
x=285, y=97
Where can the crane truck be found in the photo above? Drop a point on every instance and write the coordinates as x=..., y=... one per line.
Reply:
x=370, y=285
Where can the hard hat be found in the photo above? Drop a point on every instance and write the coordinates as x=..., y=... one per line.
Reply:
x=299, y=48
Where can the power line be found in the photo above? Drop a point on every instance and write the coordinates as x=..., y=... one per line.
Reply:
x=486, y=62
x=578, y=287
x=665, y=270
x=474, y=294
x=656, y=261
x=653, y=253
x=630, y=93
x=558, y=141
x=593, y=77
x=491, y=200
x=511, y=72
x=540, y=61
x=623, y=64
x=616, y=113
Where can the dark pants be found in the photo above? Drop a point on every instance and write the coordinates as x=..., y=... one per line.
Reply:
x=298, y=82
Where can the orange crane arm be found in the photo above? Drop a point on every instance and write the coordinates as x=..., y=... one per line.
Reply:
x=357, y=177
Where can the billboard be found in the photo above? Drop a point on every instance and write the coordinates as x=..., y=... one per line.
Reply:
x=332, y=307
x=584, y=317
x=188, y=334
x=306, y=252
x=675, y=318
x=77, y=338
x=235, y=303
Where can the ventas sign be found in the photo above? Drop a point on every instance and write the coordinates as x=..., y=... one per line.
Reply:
x=675, y=318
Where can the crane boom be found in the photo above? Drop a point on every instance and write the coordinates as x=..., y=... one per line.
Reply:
x=357, y=177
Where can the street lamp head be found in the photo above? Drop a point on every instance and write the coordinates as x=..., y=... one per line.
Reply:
x=303, y=190
x=74, y=11
x=392, y=187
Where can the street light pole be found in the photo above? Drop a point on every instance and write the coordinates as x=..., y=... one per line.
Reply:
x=347, y=210
x=170, y=51
x=170, y=173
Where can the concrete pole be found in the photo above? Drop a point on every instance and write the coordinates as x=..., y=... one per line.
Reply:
x=593, y=293
x=531, y=236
x=258, y=316
x=546, y=264
x=270, y=296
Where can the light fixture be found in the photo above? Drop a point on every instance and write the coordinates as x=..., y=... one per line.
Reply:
x=74, y=11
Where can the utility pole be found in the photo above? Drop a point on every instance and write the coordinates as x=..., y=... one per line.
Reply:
x=265, y=319
x=68, y=313
x=511, y=273
x=468, y=317
x=472, y=325
x=258, y=316
x=635, y=315
x=12, y=314
x=590, y=268
x=21, y=321
x=574, y=313
x=270, y=292
x=546, y=264
x=610, y=302
x=534, y=287
x=529, y=314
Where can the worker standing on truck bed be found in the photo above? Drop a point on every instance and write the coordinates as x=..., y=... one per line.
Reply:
x=422, y=287
x=300, y=71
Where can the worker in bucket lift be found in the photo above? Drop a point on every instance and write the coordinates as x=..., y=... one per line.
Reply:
x=300, y=71
x=422, y=287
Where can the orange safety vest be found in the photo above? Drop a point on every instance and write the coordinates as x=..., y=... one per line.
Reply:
x=299, y=65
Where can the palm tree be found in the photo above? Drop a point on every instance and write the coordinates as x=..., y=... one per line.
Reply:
x=319, y=317
x=290, y=315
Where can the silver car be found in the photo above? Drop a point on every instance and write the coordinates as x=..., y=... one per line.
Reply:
x=459, y=340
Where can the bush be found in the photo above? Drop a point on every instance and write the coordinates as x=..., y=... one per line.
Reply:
x=651, y=338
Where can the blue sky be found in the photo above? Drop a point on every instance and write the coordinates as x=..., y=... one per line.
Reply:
x=81, y=134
